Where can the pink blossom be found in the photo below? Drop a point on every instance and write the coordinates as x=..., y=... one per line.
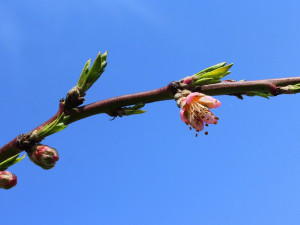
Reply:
x=195, y=110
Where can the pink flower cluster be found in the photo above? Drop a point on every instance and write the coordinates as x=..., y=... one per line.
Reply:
x=195, y=110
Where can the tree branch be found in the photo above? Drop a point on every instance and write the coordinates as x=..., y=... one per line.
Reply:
x=272, y=86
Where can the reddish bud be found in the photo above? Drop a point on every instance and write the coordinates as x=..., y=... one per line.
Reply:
x=7, y=180
x=43, y=156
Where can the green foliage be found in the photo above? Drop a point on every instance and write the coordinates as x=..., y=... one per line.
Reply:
x=57, y=125
x=136, y=109
x=260, y=94
x=211, y=75
x=90, y=75
x=11, y=161
x=295, y=88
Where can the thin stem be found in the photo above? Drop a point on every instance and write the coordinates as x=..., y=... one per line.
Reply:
x=105, y=106
x=165, y=93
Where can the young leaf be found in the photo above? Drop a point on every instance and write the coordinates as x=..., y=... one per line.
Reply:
x=53, y=127
x=217, y=73
x=217, y=66
x=10, y=161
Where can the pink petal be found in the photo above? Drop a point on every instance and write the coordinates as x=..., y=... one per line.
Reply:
x=182, y=116
x=210, y=118
x=190, y=97
x=182, y=101
x=198, y=126
x=210, y=102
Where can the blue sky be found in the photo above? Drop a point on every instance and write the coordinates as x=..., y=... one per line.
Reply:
x=150, y=169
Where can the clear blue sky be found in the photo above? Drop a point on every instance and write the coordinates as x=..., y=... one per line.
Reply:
x=150, y=169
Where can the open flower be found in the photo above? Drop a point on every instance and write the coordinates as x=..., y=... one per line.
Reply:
x=195, y=110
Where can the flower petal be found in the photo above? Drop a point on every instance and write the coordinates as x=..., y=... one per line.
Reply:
x=182, y=116
x=209, y=102
x=190, y=97
x=210, y=118
x=198, y=126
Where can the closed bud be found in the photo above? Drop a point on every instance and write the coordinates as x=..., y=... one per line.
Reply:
x=7, y=180
x=74, y=98
x=43, y=156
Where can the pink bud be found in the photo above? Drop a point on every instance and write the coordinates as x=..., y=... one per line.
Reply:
x=189, y=80
x=7, y=180
x=43, y=156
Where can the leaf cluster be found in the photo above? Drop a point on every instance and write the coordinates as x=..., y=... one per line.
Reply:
x=212, y=75
x=90, y=75
x=57, y=125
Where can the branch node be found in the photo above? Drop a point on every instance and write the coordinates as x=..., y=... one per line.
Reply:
x=174, y=86
x=74, y=98
x=272, y=89
x=25, y=141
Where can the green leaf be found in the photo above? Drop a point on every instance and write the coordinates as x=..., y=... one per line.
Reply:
x=217, y=66
x=53, y=127
x=204, y=81
x=257, y=93
x=93, y=74
x=19, y=159
x=84, y=73
x=138, y=106
x=11, y=161
x=96, y=70
x=217, y=73
x=136, y=109
x=133, y=112
x=295, y=88
x=89, y=76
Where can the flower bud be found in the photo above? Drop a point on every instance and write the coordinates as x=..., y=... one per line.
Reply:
x=7, y=180
x=43, y=156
